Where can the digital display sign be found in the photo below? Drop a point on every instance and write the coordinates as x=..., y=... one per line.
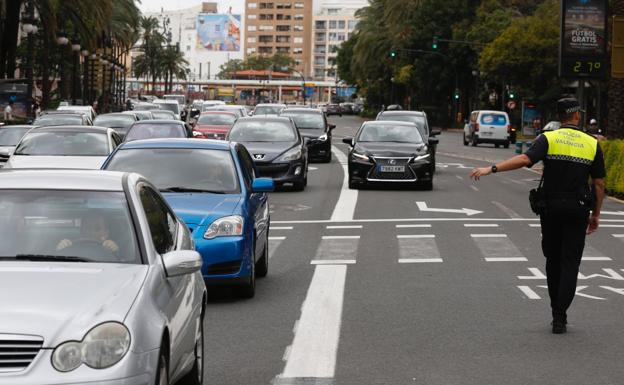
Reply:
x=583, y=41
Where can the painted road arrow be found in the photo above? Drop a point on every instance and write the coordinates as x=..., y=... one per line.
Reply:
x=422, y=206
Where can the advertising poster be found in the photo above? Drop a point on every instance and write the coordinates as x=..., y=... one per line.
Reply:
x=583, y=43
x=219, y=32
x=16, y=93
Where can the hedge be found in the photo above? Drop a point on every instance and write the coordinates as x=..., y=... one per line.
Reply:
x=614, y=163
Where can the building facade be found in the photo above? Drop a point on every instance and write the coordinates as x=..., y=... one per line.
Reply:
x=280, y=27
x=334, y=23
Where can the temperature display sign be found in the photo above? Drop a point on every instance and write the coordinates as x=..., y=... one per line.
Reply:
x=583, y=43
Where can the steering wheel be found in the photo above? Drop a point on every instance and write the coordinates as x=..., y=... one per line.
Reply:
x=89, y=247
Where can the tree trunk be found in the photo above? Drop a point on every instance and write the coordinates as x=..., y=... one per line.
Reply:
x=615, y=127
x=46, y=85
x=8, y=45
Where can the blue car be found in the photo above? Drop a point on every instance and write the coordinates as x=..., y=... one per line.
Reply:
x=211, y=186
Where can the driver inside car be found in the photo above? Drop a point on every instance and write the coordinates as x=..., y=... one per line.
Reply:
x=93, y=228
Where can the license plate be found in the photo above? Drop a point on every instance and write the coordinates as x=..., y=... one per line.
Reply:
x=392, y=168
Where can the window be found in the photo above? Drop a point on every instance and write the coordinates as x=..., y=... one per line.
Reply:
x=337, y=36
x=299, y=17
x=298, y=62
x=265, y=50
x=298, y=28
x=353, y=24
x=266, y=5
x=298, y=40
x=251, y=28
x=161, y=221
x=252, y=5
x=284, y=6
x=283, y=28
x=333, y=11
x=283, y=39
x=283, y=49
x=297, y=51
x=247, y=164
x=319, y=73
x=320, y=37
x=282, y=17
x=251, y=51
x=265, y=28
x=341, y=24
x=266, y=16
x=298, y=5
x=265, y=39
x=333, y=24
x=320, y=24
x=251, y=16
x=188, y=48
x=251, y=40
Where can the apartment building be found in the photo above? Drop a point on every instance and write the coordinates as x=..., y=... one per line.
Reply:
x=280, y=26
x=334, y=23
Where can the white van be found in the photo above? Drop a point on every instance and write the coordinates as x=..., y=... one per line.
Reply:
x=488, y=127
x=170, y=105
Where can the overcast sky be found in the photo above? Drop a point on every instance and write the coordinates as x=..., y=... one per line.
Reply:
x=156, y=5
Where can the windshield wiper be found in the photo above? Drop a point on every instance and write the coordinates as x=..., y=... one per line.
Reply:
x=45, y=257
x=189, y=189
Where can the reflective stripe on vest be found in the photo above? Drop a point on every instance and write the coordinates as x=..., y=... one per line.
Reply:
x=571, y=145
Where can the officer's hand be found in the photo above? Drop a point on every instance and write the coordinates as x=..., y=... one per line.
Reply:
x=63, y=244
x=110, y=245
x=479, y=172
x=593, y=224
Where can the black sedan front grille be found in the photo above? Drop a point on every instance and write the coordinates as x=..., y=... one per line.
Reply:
x=17, y=352
x=269, y=170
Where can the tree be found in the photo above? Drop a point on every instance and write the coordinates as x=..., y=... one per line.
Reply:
x=616, y=90
x=277, y=62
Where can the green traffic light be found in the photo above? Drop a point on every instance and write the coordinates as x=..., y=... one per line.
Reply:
x=393, y=54
x=434, y=43
x=434, y=46
x=511, y=95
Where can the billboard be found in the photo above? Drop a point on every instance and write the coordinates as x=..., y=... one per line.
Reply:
x=583, y=40
x=219, y=32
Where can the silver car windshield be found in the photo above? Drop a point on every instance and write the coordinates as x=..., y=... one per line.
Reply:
x=88, y=226
x=168, y=168
x=217, y=119
x=307, y=121
x=64, y=143
x=149, y=130
x=11, y=136
x=389, y=133
x=267, y=110
x=261, y=131
x=58, y=120
x=163, y=114
x=114, y=121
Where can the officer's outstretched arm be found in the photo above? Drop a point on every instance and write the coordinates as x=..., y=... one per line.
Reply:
x=514, y=163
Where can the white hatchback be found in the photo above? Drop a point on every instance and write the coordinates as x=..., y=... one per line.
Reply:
x=488, y=127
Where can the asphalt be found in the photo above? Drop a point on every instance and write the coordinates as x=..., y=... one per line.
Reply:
x=418, y=297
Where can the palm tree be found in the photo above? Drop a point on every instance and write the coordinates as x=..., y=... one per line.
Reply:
x=172, y=64
x=616, y=90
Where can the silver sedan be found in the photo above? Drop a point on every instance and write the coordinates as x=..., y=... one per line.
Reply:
x=99, y=282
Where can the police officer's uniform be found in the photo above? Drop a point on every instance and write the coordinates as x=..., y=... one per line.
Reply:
x=570, y=157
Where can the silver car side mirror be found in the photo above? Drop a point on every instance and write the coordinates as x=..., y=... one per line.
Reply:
x=182, y=262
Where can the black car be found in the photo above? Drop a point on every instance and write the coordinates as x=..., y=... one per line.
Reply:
x=118, y=121
x=333, y=109
x=277, y=148
x=420, y=119
x=389, y=152
x=151, y=129
x=315, y=130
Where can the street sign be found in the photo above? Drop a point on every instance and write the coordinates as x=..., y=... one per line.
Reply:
x=583, y=39
x=511, y=104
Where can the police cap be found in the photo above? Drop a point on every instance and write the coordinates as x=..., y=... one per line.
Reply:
x=568, y=106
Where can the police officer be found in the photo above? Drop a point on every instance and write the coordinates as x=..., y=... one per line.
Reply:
x=571, y=211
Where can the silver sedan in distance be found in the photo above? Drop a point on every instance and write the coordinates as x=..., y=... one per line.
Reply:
x=99, y=282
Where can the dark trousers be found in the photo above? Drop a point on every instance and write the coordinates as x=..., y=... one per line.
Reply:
x=563, y=240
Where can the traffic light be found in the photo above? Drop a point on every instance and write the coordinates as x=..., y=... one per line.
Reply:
x=434, y=43
x=512, y=94
x=456, y=94
x=393, y=54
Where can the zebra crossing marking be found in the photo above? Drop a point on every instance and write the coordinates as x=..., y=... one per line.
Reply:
x=343, y=227
x=415, y=236
x=421, y=260
x=488, y=235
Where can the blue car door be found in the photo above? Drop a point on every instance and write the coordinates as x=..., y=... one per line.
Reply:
x=257, y=202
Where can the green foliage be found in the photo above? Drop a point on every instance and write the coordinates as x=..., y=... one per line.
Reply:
x=614, y=163
x=277, y=62
x=343, y=59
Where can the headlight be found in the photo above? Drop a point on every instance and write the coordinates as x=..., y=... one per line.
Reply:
x=225, y=227
x=421, y=157
x=360, y=157
x=102, y=347
x=291, y=154
x=323, y=138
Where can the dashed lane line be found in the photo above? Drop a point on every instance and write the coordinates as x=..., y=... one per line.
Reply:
x=420, y=260
x=281, y=228
x=417, y=226
x=345, y=207
x=343, y=227
x=480, y=225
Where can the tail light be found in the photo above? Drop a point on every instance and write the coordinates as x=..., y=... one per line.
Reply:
x=476, y=126
x=509, y=129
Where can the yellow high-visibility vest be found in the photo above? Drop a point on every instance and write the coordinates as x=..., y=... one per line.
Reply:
x=571, y=145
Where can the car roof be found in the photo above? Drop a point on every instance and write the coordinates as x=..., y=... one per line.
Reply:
x=490, y=111
x=217, y=112
x=160, y=121
x=93, y=129
x=208, y=144
x=302, y=110
x=162, y=111
x=93, y=180
x=61, y=112
x=77, y=108
x=274, y=118
x=112, y=114
x=165, y=101
x=270, y=105
x=23, y=126
x=389, y=123
x=403, y=112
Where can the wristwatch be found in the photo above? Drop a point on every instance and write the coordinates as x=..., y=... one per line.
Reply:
x=494, y=169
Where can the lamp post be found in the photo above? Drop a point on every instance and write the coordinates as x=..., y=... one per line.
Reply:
x=75, y=47
x=30, y=30
x=62, y=41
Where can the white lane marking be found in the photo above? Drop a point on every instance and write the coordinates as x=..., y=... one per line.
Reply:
x=281, y=228
x=412, y=226
x=475, y=188
x=618, y=235
x=497, y=248
x=276, y=238
x=415, y=236
x=480, y=225
x=596, y=259
x=459, y=177
x=506, y=210
x=337, y=248
x=344, y=227
x=345, y=207
x=422, y=206
x=274, y=244
x=333, y=262
x=418, y=248
x=488, y=235
x=537, y=274
x=310, y=168
x=535, y=225
x=420, y=260
x=380, y=220
x=610, y=226
x=341, y=237
x=506, y=259
x=529, y=292
x=590, y=253
x=315, y=345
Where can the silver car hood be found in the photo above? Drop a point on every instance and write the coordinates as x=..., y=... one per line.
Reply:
x=35, y=161
x=62, y=301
